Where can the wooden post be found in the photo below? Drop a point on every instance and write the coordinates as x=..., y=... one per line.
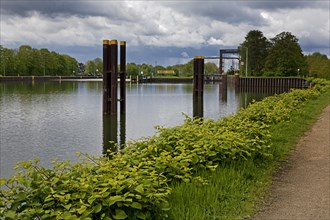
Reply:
x=122, y=77
x=198, y=86
x=122, y=130
x=237, y=82
x=110, y=133
x=114, y=74
x=221, y=63
x=106, y=77
x=122, y=93
x=224, y=82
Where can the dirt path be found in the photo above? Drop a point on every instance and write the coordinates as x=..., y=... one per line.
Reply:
x=302, y=188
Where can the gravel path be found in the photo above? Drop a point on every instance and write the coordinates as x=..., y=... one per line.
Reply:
x=302, y=188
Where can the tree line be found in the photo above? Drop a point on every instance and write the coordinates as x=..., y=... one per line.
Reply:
x=259, y=56
x=280, y=56
x=30, y=61
x=95, y=67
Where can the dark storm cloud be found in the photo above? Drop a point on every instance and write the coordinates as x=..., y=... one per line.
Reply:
x=23, y=7
x=284, y=4
x=53, y=8
x=226, y=11
x=236, y=12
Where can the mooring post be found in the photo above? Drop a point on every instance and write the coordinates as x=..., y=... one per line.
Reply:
x=122, y=93
x=122, y=129
x=110, y=133
x=122, y=77
x=224, y=87
x=237, y=79
x=198, y=86
x=113, y=76
x=221, y=63
x=106, y=77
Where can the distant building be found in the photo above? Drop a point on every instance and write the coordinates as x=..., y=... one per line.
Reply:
x=165, y=72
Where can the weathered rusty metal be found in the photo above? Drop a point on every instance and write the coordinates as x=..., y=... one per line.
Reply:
x=122, y=77
x=223, y=91
x=270, y=84
x=226, y=51
x=106, y=77
x=113, y=76
x=110, y=94
x=198, y=89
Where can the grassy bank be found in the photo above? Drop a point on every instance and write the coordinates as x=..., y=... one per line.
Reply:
x=236, y=189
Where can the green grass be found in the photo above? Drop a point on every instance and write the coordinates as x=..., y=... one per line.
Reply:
x=235, y=190
x=286, y=134
x=230, y=194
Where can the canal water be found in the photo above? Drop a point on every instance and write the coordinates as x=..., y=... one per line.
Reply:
x=54, y=120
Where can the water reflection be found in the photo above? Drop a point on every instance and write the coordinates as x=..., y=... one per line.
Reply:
x=198, y=107
x=223, y=93
x=56, y=119
x=112, y=130
x=110, y=133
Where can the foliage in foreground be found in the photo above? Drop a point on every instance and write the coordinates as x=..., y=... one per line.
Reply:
x=134, y=183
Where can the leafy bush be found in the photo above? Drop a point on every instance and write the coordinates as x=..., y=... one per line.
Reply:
x=133, y=183
x=319, y=84
x=97, y=188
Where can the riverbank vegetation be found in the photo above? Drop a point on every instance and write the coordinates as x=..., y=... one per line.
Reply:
x=202, y=169
x=279, y=56
x=28, y=61
x=236, y=189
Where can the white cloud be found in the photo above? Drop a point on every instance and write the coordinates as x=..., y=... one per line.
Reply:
x=184, y=54
x=213, y=41
x=308, y=25
x=37, y=29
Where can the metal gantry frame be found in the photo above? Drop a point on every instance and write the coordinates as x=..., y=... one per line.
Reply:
x=222, y=57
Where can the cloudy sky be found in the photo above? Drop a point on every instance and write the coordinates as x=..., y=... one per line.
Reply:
x=159, y=32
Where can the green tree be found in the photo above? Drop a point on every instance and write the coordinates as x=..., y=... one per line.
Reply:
x=255, y=48
x=132, y=69
x=24, y=60
x=70, y=65
x=188, y=68
x=36, y=62
x=90, y=67
x=210, y=68
x=94, y=67
x=99, y=65
x=318, y=65
x=146, y=69
x=7, y=61
x=45, y=61
x=285, y=56
x=31, y=61
x=54, y=63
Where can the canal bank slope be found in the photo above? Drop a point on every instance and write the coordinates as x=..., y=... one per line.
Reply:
x=301, y=189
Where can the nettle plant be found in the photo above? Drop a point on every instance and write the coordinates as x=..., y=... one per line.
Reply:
x=134, y=183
